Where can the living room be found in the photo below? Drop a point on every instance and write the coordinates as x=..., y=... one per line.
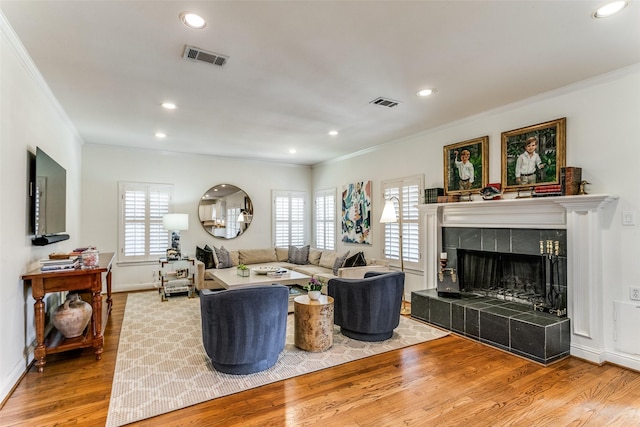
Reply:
x=602, y=128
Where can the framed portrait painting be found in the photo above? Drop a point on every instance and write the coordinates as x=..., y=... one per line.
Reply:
x=466, y=166
x=534, y=155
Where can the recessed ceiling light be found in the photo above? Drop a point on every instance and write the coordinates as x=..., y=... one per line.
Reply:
x=292, y=151
x=161, y=135
x=610, y=9
x=333, y=132
x=168, y=105
x=192, y=20
x=426, y=92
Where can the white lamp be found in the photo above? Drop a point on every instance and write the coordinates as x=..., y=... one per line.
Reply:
x=175, y=223
x=389, y=217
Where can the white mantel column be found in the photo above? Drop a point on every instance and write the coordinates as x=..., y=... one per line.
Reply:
x=584, y=275
x=432, y=235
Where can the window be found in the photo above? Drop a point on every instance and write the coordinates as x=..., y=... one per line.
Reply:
x=288, y=218
x=325, y=219
x=405, y=193
x=142, y=236
x=233, y=226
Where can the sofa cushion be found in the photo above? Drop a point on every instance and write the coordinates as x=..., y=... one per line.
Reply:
x=224, y=259
x=356, y=260
x=205, y=256
x=327, y=259
x=282, y=254
x=256, y=256
x=339, y=262
x=314, y=256
x=298, y=256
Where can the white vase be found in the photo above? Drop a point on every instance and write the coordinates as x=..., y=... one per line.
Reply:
x=314, y=295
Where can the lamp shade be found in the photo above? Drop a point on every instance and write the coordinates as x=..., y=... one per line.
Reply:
x=175, y=222
x=389, y=213
x=241, y=216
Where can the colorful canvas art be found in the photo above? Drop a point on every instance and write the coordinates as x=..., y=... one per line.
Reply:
x=356, y=213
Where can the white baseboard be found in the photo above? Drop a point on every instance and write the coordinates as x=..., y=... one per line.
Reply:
x=134, y=287
x=587, y=353
x=630, y=361
x=9, y=382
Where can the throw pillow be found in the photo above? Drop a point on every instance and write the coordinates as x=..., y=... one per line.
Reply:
x=224, y=260
x=339, y=263
x=356, y=260
x=206, y=257
x=299, y=256
x=215, y=258
x=314, y=256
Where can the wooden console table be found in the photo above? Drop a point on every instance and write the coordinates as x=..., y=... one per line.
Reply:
x=81, y=280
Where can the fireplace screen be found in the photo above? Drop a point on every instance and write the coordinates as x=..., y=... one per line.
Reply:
x=537, y=280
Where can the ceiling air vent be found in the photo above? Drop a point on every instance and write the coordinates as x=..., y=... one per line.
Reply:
x=195, y=54
x=385, y=102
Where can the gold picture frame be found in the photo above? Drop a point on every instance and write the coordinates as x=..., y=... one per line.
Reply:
x=550, y=139
x=477, y=162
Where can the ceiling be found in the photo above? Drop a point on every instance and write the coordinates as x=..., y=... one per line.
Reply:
x=298, y=69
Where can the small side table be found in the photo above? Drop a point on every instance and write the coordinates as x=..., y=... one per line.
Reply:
x=313, y=323
x=177, y=276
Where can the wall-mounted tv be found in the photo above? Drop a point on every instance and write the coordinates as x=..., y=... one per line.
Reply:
x=48, y=190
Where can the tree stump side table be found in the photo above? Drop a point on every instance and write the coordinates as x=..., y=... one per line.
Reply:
x=313, y=323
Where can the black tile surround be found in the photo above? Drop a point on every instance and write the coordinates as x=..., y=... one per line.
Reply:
x=510, y=326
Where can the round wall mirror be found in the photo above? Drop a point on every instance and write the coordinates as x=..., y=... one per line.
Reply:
x=225, y=211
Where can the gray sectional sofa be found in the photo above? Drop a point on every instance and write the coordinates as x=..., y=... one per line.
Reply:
x=321, y=264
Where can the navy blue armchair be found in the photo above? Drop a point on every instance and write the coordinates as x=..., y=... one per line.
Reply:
x=244, y=330
x=367, y=309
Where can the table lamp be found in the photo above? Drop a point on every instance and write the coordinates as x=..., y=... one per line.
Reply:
x=175, y=223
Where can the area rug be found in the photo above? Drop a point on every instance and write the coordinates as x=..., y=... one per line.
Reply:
x=161, y=364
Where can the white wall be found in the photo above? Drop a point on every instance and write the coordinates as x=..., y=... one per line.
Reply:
x=191, y=175
x=603, y=130
x=29, y=117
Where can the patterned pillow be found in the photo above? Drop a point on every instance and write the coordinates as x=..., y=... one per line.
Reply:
x=224, y=259
x=339, y=263
x=356, y=260
x=205, y=256
x=299, y=256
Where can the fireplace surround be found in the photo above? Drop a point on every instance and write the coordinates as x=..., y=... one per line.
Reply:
x=579, y=217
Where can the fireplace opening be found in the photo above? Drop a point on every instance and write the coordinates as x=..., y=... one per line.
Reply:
x=535, y=280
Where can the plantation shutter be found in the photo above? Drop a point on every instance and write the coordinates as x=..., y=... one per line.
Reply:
x=142, y=236
x=289, y=218
x=407, y=193
x=325, y=219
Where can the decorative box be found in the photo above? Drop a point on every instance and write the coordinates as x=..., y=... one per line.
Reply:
x=449, y=199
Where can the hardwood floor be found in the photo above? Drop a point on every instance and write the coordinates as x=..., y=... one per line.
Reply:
x=447, y=382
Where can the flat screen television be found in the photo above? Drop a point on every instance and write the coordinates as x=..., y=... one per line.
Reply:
x=48, y=188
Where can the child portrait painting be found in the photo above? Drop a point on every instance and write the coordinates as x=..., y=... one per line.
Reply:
x=465, y=166
x=533, y=156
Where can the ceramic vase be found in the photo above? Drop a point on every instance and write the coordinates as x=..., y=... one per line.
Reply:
x=72, y=317
x=314, y=295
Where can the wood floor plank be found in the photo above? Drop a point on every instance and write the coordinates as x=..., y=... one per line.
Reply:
x=449, y=382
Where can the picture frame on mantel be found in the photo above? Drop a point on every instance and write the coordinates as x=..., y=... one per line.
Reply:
x=534, y=155
x=466, y=166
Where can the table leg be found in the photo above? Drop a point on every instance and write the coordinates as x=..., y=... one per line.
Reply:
x=98, y=338
x=40, y=352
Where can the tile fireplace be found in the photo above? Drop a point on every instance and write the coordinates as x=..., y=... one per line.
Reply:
x=512, y=230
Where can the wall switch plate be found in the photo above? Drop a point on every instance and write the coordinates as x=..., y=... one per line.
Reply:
x=634, y=293
x=628, y=218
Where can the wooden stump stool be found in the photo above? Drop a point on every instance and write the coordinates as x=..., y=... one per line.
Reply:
x=313, y=323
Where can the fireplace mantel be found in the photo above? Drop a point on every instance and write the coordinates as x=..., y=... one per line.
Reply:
x=579, y=215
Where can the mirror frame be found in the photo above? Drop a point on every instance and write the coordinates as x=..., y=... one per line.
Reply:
x=213, y=209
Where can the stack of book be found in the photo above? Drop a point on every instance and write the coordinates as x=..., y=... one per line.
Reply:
x=431, y=194
x=59, y=264
x=547, y=190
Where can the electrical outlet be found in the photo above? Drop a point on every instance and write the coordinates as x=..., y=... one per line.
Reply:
x=634, y=293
